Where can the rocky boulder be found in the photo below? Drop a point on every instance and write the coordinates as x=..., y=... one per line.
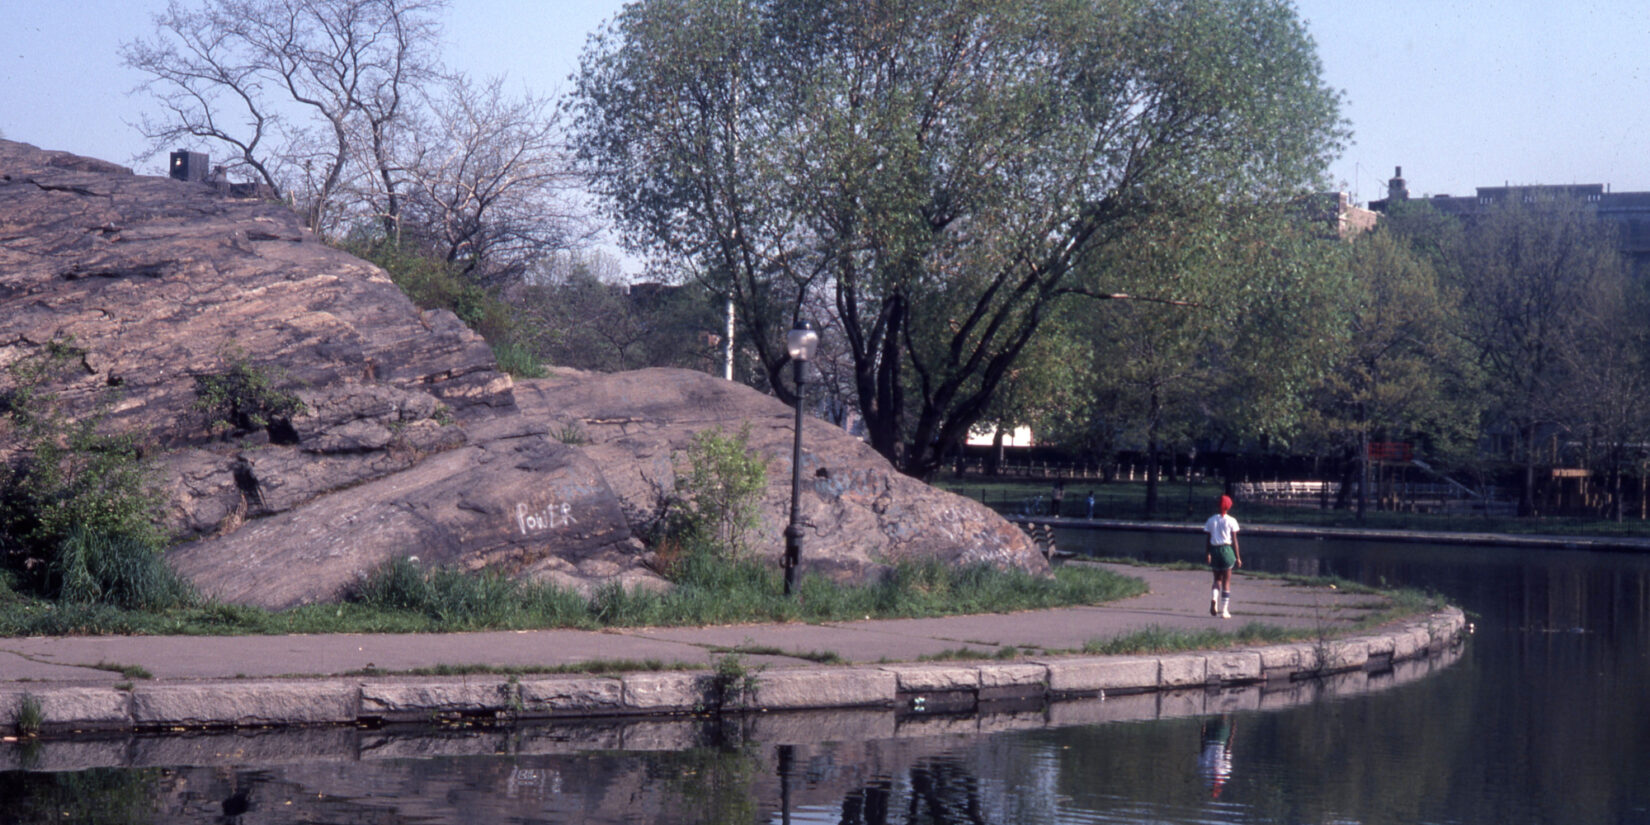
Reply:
x=409, y=442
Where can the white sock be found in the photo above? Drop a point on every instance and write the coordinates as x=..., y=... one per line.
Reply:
x=1214, y=595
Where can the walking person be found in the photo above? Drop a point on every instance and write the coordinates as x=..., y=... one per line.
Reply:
x=1222, y=555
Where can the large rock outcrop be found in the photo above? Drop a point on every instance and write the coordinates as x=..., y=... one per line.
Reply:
x=411, y=442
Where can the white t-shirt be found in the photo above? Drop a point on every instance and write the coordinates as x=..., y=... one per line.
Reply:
x=1222, y=529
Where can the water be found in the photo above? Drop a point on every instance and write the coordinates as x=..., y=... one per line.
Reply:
x=1544, y=718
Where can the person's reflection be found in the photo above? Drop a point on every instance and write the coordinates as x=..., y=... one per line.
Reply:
x=868, y=805
x=1214, y=761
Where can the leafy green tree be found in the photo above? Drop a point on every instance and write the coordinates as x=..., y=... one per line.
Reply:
x=1398, y=375
x=1230, y=317
x=1534, y=278
x=940, y=171
x=586, y=317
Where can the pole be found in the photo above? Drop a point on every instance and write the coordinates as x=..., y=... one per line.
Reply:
x=793, y=531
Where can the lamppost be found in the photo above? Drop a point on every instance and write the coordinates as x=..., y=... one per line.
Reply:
x=801, y=342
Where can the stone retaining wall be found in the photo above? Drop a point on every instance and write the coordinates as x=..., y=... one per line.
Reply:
x=904, y=688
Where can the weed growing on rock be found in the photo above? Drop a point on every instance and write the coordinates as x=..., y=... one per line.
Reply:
x=27, y=717
x=719, y=485
x=245, y=397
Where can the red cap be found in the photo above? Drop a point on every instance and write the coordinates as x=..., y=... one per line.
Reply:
x=1225, y=503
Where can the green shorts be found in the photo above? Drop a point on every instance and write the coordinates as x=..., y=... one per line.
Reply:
x=1222, y=557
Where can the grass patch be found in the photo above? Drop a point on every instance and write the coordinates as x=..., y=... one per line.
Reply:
x=1161, y=640
x=398, y=597
x=591, y=666
x=28, y=716
x=824, y=657
x=129, y=671
x=968, y=654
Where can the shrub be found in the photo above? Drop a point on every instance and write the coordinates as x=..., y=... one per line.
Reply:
x=78, y=510
x=431, y=283
x=244, y=397
x=716, y=503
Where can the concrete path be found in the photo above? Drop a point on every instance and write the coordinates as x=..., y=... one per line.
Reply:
x=1177, y=600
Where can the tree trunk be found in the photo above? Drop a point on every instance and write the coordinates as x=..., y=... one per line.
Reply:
x=1151, y=456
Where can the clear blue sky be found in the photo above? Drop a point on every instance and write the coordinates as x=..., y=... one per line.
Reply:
x=1461, y=93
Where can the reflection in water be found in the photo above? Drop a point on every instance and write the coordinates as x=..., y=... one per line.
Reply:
x=1542, y=719
x=1214, y=758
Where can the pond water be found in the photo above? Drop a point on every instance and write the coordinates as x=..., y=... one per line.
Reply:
x=1544, y=717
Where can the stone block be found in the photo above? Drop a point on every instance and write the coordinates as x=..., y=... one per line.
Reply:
x=572, y=695
x=1013, y=675
x=1407, y=643
x=75, y=708
x=414, y=700
x=1183, y=670
x=1283, y=661
x=244, y=704
x=1380, y=644
x=934, y=678
x=1346, y=654
x=1229, y=667
x=664, y=692
x=826, y=688
x=1091, y=675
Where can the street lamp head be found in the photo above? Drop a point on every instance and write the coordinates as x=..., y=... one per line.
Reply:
x=802, y=340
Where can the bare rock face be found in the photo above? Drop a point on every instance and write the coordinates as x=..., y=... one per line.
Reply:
x=857, y=511
x=411, y=442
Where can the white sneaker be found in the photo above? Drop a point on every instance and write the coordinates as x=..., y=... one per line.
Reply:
x=1225, y=614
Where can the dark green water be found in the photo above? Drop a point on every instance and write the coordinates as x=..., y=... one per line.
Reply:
x=1544, y=717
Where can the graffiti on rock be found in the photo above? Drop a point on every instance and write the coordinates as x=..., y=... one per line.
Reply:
x=548, y=517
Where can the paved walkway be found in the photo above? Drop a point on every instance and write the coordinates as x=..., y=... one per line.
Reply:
x=1178, y=599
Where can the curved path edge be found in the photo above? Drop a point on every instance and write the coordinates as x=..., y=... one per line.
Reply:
x=905, y=688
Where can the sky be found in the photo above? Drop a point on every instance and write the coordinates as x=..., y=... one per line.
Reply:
x=1460, y=93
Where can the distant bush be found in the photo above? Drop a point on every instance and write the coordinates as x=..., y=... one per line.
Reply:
x=431, y=283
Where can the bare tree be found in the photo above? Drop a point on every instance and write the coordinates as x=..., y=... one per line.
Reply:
x=286, y=85
x=489, y=181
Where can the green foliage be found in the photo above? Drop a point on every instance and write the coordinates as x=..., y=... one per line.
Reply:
x=938, y=173
x=716, y=507
x=571, y=434
x=27, y=716
x=457, y=600
x=78, y=510
x=244, y=396
x=431, y=283
x=732, y=682
x=516, y=359
x=116, y=569
x=1157, y=639
x=398, y=597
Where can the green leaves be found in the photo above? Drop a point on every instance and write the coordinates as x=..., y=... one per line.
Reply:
x=930, y=174
x=244, y=397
